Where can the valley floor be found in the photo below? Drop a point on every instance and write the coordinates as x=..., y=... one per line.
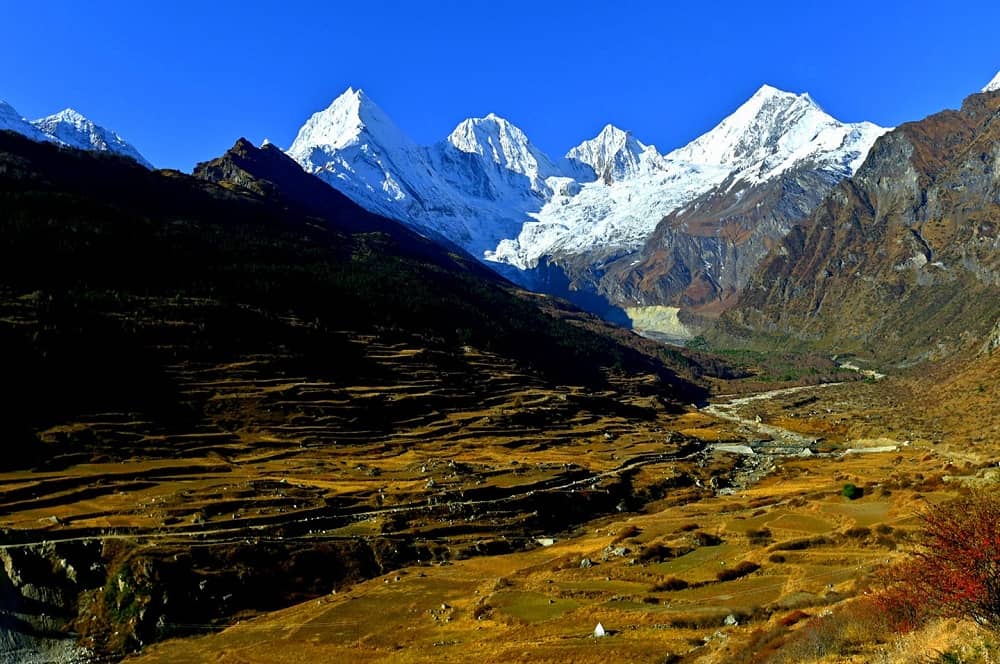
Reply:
x=503, y=529
x=707, y=576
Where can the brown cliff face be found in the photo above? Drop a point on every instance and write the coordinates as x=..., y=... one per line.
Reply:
x=700, y=257
x=902, y=262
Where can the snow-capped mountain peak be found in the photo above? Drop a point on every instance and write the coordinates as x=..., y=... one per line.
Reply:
x=487, y=188
x=70, y=115
x=503, y=143
x=615, y=155
x=774, y=130
x=751, y=128
x=351, y=118
x=71, y=128
x=993, y=85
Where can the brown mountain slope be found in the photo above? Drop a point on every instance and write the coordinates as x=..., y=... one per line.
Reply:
x=902, y=262
x=701, y=256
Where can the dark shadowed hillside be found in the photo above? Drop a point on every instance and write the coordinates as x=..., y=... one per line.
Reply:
x=111, y=270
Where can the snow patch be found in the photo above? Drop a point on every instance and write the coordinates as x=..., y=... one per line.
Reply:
x=993, y=85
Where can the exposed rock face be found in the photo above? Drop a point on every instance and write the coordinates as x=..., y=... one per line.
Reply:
x=901, y=262
x=39, y=588
x=700, y=257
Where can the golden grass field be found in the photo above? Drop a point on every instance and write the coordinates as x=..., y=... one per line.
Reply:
x=498, y=476
x=817, y=553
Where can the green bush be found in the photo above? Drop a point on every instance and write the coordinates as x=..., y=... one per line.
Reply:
x=851, y=492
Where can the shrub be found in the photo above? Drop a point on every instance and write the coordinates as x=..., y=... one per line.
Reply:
x=759, y=536
x=701, y=538
x=671, y=583
x=625, y=533
x=738, y=571
x=792, y=618
x=955, y=571
x=833, y=634
x=800, y=543
x=851, y=491
x=655, y=553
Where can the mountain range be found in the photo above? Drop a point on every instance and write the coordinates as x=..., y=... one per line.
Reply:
x=662, y=242
x=665, y=242
x=241, y=388
x=575, y=226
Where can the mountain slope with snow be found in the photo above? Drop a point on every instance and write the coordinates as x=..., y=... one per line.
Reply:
x=615, y=155
x=11, y=120
x=993, y=85
x=70, y=129
x=474, y=188
x=783, y=154
x=770, y=134
x=74, y=130
x=773, y=131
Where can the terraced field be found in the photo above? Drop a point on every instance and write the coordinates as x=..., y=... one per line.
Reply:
x=384, y=454
x=471, y=506
x=322, y=451
x=655, y=580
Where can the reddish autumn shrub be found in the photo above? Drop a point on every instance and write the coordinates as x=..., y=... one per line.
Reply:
x=955, y=571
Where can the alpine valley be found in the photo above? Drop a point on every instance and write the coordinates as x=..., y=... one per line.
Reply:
x=664, y=241
x=346, y=401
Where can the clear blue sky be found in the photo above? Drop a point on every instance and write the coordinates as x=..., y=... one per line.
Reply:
x=182, y=80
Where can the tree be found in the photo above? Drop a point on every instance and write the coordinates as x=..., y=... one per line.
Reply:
x=955, y=572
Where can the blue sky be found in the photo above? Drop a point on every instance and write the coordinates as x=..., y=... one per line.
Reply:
x=182, y=80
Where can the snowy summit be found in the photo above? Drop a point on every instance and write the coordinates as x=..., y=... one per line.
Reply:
x=11, y=120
